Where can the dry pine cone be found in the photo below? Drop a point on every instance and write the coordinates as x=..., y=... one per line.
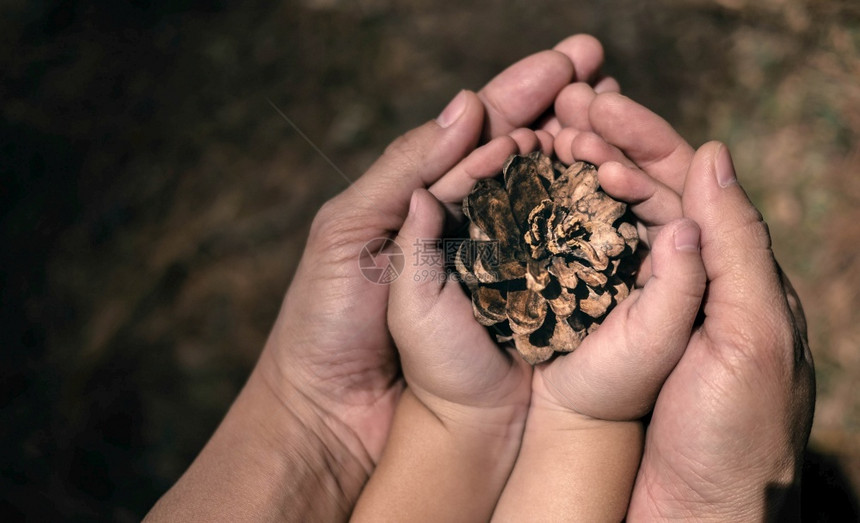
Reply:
x=550, y=254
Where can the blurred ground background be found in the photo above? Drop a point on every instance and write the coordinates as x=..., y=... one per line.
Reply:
x=153, y=205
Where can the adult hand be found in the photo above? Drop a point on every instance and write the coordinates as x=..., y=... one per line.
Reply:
x=330, y=340
x=310, y=424
x=727, y=433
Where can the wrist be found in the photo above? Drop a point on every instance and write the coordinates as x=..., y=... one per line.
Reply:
x=322, y=474
x=759, y=491
x=501, y=420
x=356, y=406
x=463, y=464
x=574, y=465
x=267, y=460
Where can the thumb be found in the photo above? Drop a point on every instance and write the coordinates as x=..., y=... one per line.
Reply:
x=416, y=160
x=617, y=372
x=414, y=292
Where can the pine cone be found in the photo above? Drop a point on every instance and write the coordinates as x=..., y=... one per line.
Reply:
x=550, y=254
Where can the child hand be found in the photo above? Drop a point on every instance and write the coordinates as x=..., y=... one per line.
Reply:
x=459, y=423
x=450, y=362
x=617, y=371
x=583, y=439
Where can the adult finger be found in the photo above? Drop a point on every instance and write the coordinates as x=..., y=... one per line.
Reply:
x=746, y=307
x=654, y=204
x=485, y=162
x=607, y=84
x=377, y=201
x=572, y=106
x=586, y=54
x=644, y=137
x=618, y=370
x=524, y=91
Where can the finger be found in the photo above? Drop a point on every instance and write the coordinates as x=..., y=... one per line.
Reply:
x=550, y=124
x=607, y=84
x=592, y=148
x=572, y=105
x=642, y=136
x=618, y=370
x=562, y=144
x=526, y=139
x=524, y=91
x=379, y=199
x=586, y=54
x=584, y=145
x=746, y=304
x=423, y=226
x=653, y=203
x=485, y=162
x=546, y=141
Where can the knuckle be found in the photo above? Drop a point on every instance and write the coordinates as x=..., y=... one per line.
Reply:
x=406, y=150
x=748, y=231
x=331, y=228
x=757, y=228
x=766, y=341
x=493, y=105
x=324, y=220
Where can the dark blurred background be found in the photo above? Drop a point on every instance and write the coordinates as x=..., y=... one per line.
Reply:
x=153, y=204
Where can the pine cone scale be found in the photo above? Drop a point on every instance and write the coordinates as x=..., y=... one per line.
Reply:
x=523, y=184
x=488, y=207
x=565, y=254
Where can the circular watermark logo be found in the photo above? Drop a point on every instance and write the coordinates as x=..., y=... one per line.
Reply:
x=381, y=261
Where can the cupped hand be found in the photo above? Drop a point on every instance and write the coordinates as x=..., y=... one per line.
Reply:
x=330, y=348
x=730, y=424
x=451, y=363
x=583, y=438
x=617, y=371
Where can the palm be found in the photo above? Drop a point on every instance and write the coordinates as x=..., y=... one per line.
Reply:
x=590, y=380
x=617, y=371
x=761, y=392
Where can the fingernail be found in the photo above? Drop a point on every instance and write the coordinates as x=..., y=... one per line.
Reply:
x=724, y=167
x=687, y=237
x=452, y=113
